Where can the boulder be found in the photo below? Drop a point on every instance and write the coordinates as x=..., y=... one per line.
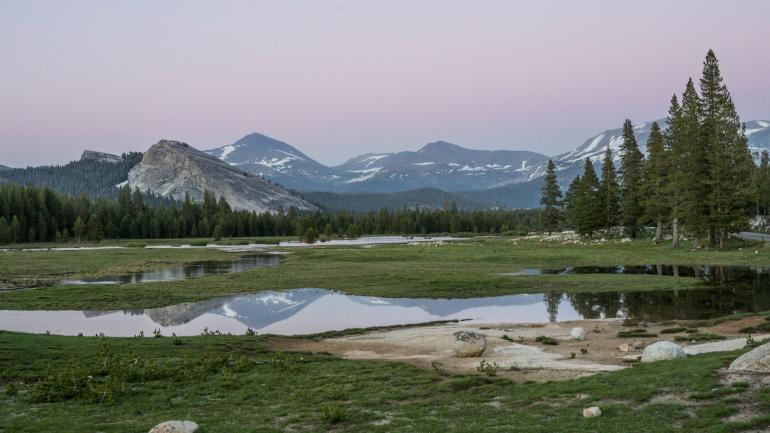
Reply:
x=638, y=345
x=469, y=344
x=661, y=351
x=756, y=361
x=578, y=333
x=175, y=427
x=592, y=412
x=625, y=347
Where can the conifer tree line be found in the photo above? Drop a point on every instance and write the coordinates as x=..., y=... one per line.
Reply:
x=697, y=178
x=29, y=214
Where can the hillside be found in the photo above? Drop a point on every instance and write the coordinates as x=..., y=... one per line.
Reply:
x=89, y=176
x=426, y=198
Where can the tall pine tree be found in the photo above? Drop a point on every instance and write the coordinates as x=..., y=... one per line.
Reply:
x=726, y=154
x=631, y=181
x=588, y=212
x=655, y=178
x=609, y=192
x=551, y=194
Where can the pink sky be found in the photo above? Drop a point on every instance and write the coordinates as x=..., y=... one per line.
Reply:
x=341, y=78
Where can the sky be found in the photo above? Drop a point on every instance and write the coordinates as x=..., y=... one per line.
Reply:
x=340, y=78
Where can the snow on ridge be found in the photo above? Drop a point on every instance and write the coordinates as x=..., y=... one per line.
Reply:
x=121, y=184
x=291, y=155
x=226, y=151
x=524, y=166
x=751, y=131
x=595, y=142
x=762, y=123
x=424, y=163
x=365, y=174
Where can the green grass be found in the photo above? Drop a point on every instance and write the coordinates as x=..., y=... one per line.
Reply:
x=698, y=337
x=636, y=333
x=206, y=379
x=464, y=269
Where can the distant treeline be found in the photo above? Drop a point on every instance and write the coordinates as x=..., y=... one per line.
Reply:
x=32, y=214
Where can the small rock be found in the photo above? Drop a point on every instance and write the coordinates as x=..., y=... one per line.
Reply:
x=661, y=351
x=625, y=240
x=578, y=333
x=469, y=344
x=757, y=361
x=632, y=358
x=591, y=412
x=175, y=427
x=639, y=345
x=625, y=347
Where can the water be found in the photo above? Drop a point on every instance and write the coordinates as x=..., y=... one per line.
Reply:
x=721, y=274
x=309, y=311
x=183, y=272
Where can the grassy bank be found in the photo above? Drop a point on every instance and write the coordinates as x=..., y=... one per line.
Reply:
x=232, y=384
x=463, y=269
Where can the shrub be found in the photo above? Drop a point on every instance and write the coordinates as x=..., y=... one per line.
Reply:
x=487, y=368
x=544, y=339
x=333, y=414
x=699, y=337
x=636, y=333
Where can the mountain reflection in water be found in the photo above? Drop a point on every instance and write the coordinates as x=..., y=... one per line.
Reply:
x=308, y=311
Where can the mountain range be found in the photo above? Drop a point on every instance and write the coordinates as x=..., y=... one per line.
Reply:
x=431, y=177
x=475, y=178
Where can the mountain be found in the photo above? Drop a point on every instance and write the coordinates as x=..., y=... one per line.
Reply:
x=281, y=162
x=758, y=133
x=439, y=165
x=173, y=169
x=425, y=198
x=91, y=176
x=4, y=167
x=100, y=156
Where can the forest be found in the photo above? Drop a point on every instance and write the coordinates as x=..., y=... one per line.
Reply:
x=32, y=214
x=698, y=176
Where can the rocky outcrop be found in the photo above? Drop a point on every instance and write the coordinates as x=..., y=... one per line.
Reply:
x=662, y=351
x=756, y=361
x=100, y=156
x=173, y=169
x=175, y=427
x=469, y=344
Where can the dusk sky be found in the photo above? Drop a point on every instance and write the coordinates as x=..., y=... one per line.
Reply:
x=341, y=78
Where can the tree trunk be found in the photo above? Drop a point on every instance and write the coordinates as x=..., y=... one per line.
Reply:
x=659, y=232
x=696, y=241
x=722, y=238
x=675, y=237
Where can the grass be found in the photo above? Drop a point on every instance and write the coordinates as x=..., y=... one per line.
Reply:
x=233, y=384
x=465, y=269
x=548, y=341
x=636, y=333
x=698, y=337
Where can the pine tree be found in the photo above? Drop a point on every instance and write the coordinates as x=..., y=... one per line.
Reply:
x=674, y=145
x=570, y=201
x=551, y=194
x=763, y=184
x=79, y=229
x=630, y=181
x=609, y=192
x=694, y=181
x=655, y=180
x=588, y=212
x=727, y=155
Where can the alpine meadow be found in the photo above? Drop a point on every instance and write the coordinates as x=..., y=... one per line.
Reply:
x=168, y=266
